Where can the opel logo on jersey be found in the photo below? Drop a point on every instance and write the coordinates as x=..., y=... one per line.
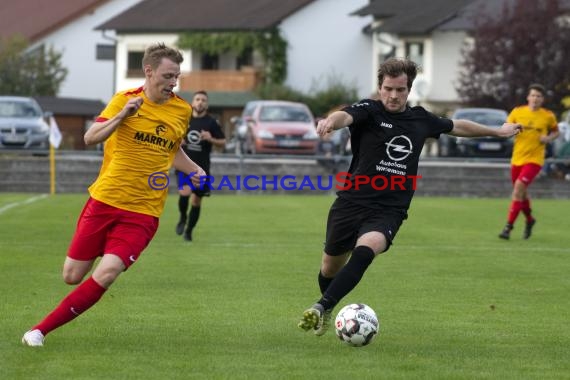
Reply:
x=160, y=129
x=193, y=137
x=399, y=148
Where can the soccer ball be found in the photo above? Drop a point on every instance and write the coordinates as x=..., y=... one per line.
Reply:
x=356, y=324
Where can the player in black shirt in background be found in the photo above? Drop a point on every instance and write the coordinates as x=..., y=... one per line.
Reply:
x=387, y=137
x=203, y=133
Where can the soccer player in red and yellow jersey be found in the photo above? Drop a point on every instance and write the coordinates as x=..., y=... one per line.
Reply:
x=539, y=128
x=142, y=129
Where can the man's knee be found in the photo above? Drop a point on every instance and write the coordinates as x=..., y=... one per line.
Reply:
x=74, y=270
x=72, y=277
x=331, y=265
x=375, y=240
x=110, y=267
x=106, y=277
x=185, y=191
x=195, y=200
x=519, y=190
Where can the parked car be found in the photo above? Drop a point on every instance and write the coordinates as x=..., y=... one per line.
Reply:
x=22, y=124
x=334, y=150
x=335, y=143
x=452, y=146
x=234, y=144
x=273, y=126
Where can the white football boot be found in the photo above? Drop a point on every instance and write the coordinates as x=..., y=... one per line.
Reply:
x=33, y=338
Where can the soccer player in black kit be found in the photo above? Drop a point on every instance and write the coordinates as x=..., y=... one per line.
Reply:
x=387, y=137
x=203, y=133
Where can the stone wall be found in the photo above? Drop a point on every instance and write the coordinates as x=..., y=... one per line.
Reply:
x=74, y=173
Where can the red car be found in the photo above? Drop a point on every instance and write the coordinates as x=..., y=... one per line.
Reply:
x=273, y=126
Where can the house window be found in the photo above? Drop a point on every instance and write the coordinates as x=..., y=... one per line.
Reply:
x=37, y=51
x=105, y=52
x=415, y=52
x=134, y=64
x=210, y=62
x=245, y=58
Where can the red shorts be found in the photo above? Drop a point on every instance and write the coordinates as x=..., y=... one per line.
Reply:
x=103, y=229
x=525, y=173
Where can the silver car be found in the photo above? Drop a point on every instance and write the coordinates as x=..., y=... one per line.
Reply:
x=22, y=124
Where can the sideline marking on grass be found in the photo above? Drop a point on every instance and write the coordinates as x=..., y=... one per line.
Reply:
x=24, y=202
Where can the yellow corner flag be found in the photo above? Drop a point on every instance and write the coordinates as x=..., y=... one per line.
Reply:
x=54, y=143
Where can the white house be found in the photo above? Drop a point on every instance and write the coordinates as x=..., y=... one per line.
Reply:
x=69, y=27
x=323, y=38
x=326, y=41
x=432, y=33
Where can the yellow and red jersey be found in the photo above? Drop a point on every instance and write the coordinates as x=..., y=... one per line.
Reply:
x=527, y=146
x=145, y=143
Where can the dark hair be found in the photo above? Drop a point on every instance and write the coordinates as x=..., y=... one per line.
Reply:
x=201, y=92
x=538, y=87
x=394, y=67
x=154, y=53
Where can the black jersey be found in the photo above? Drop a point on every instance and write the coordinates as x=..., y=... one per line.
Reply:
x=197, y=149
x=386, y=149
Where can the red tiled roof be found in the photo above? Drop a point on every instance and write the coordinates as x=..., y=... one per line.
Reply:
x=34, y=19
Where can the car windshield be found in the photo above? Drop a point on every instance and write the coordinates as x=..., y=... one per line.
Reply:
x=11, y=108
x=485, y=118
x=284, y=113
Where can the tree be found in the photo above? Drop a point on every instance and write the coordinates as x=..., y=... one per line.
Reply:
x=331, y=93
x=528, y=43
x=322, y=98
x=29, y=73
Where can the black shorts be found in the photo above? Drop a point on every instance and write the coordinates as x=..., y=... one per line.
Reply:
x=203, y=191
x=348, y=221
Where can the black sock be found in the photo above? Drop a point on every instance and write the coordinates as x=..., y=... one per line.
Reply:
x=348, y=277
x=324, y=282
x=193, y=217
x=183, y=206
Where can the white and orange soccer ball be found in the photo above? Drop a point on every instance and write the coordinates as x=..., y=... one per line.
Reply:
x=356, y=324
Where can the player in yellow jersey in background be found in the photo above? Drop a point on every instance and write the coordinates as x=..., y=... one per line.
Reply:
x=539, y=128
x=142, y=129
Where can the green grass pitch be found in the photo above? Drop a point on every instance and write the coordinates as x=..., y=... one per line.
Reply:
x=454, y=301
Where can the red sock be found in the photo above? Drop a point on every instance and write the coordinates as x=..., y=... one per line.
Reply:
x=526, y=210
x=516, y=207
x=76, y=302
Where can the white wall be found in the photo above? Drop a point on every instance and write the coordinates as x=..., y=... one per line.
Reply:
x=87, y=77
x=439, y=69
x=325, y=40
x=139, y=42
x=445, y=67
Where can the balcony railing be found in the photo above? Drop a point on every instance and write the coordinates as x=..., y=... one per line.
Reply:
x=245, y=79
